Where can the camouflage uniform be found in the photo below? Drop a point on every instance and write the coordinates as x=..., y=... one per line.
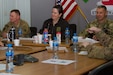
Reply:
x=105, y=37
x=22, y=24
x=106, y=27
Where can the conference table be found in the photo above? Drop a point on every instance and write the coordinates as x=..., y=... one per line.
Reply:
x=82, y=64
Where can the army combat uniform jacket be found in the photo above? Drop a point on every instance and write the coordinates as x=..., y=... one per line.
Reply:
x=22, y=24
x=105, y=37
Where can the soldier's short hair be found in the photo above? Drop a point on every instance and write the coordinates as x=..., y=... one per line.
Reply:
x=16, y=11
x=102, y=6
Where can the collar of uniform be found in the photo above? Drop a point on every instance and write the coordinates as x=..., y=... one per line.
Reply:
x=59, y=21
x=16, y=26
x=101, y=24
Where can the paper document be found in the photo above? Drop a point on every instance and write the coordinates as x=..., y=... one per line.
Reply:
x=58, y=61
x=83, y=53
x=2, y=66
x=92, y=41
x=3, y=48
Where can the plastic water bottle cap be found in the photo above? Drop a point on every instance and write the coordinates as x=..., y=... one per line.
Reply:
x=55, y=38
x=67, y=28
x=9, y=45
x=75, y=34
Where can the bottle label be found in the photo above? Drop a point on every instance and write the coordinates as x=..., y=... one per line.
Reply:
x=55, y=44
x=58, y=35
x=9, y=53
x=75, y=39
x=45, y=37
x=67, y=33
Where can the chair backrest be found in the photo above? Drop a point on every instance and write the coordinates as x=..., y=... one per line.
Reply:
x=105, y=69
x=72, y=28
x=33, y=31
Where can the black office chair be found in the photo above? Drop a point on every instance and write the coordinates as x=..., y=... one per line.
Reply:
x=33, y=31
x=72, y=28
x=105, y=69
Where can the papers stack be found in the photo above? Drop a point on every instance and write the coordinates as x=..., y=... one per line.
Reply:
x=92, y=41
x=83, y=53
x=58, y=61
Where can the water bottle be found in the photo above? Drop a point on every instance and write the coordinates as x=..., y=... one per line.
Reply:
x=67, y=36
x=55, y=48
x=75, y=41
x=12, y=34
x=9, y=58
x=20, y=32
x=45, y=36
x=58, y=34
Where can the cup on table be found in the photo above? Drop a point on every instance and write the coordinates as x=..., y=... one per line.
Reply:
x=16, y=42
x=35, y=39
x=39, y=38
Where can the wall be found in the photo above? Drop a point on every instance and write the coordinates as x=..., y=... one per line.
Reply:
x=41, y=10
x=8, y=5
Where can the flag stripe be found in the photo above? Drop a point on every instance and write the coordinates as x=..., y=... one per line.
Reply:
x=72, y=7
x=63, y=2
x=69, y=6
x=71, y=13
x=66, y=3
x=67, y=12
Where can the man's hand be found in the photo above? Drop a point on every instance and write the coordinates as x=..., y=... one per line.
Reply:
x=94, y=37
x=94, y=30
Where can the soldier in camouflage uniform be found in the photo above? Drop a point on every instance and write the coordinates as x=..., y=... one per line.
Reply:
x=16, y=22
x=102, y=30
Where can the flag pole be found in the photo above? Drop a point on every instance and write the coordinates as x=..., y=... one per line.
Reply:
x=82, y=14
x=55, y=2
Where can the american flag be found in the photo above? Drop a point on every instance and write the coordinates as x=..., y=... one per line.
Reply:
x=69, y=7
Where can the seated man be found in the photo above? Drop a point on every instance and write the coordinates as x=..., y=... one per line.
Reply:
x=101, y=21
x=102, y=30
x=17, y=23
